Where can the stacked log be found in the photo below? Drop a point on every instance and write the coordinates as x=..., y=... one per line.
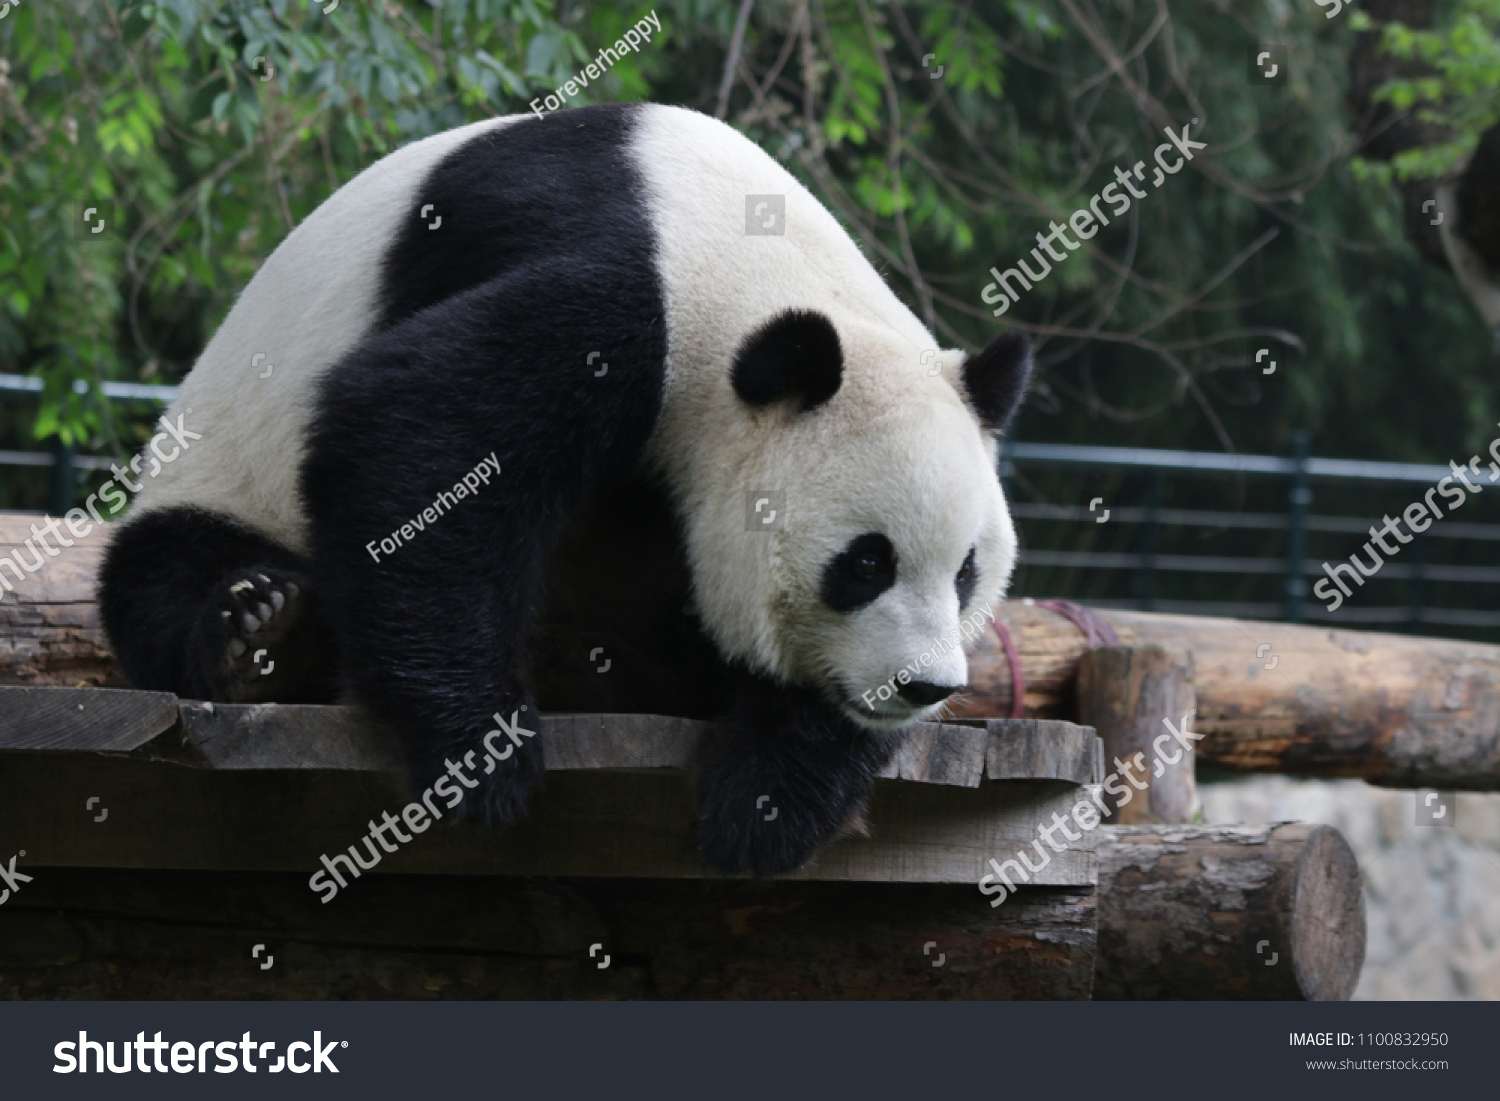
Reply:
x=1228, y=912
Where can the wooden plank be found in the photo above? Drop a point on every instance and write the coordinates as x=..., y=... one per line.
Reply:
x=286, y=736
x=618, y=741
x=300, y=736
x=588, y=822
x=275, y=787
x=1037, y=749
x=935, y=753
x=115, y=934
x=102, y=720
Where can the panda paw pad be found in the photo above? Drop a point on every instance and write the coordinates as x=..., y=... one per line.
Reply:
x=257, y=611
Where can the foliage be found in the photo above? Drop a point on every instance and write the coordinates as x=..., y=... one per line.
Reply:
x=944, y=134
x=1460, y=93
x=207, y=129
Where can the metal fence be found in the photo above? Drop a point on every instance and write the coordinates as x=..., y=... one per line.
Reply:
x=1290, y=569
x=1283, y=564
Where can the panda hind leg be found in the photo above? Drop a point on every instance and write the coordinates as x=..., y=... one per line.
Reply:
x=199, y=605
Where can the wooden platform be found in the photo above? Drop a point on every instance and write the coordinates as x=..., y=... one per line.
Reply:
x=170, y=844
x=272, y=788
x=166, y=838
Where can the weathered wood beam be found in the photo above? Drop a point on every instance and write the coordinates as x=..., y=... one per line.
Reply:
x=50, y=632
x=275, y=787
x=103, y=933
x=1228, y=912
x=1124, y=693
x=1275, y=697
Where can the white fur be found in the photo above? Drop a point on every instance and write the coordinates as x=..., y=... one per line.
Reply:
x=896, y=450
x=312, y=301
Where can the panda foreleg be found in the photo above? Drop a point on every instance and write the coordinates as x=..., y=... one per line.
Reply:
x=434, y=631
x=784, y=772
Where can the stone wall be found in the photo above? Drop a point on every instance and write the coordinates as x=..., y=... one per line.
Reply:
x=1432, y=890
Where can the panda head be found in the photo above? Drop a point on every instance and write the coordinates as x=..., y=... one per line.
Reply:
x=896, y=534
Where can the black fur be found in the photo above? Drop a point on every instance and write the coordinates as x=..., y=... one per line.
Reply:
x=435, y=633
x=967, y=578
x=551, y=259
x=996, y=378
x=165, y=587
x=616, y=631
x=790, y=754
x=795, y=354
x=860, y=573
x=534, y=188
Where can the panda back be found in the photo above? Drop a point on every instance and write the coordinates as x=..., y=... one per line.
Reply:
x=316, y=296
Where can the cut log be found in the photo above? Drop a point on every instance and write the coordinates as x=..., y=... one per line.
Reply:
x=1125, y=693
x=99, y=933
x=1228, y=912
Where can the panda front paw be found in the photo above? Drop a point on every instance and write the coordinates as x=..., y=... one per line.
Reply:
x=764, y=832
x=770, y=793
x=503, y=767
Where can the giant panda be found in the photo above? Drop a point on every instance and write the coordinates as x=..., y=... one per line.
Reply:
x=655, y=339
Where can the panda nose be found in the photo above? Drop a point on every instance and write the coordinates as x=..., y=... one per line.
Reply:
x=925, y=693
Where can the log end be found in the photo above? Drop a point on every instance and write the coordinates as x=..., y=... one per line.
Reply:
x=1328, y=918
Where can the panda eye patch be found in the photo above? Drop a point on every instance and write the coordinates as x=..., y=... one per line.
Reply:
x=966, y=579
x=860, y=573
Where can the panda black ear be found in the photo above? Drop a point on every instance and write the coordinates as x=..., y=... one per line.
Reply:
x=996, y=378
x=795, y=354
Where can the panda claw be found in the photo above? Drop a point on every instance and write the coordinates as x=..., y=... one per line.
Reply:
x=277, y=600
x=249, y=623
x=236, y=647
x=263, y=612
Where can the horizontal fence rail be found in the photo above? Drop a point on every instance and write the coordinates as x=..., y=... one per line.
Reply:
x=1297, y=570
